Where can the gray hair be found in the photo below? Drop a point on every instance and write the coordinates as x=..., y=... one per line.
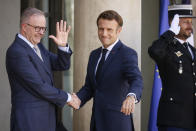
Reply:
x=27, y=13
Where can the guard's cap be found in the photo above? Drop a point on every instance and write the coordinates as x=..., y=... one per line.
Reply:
x=185, y=11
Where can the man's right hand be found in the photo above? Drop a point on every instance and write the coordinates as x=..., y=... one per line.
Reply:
x=175, y=25
x=75, y=101
x=62, y=33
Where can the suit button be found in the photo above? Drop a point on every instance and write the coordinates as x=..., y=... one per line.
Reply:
x=193, y=64
x=171, y=99
x=194, y=73
x=195, y=84
x=195, y=94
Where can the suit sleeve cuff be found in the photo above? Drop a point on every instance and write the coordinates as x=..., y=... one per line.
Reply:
x=69, y=97
x=64, y=48
x=134, y=95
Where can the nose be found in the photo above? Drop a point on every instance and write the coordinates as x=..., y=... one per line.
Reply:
x=105, y=33
x=42, y=31
x=190, y=26
x=189, y=23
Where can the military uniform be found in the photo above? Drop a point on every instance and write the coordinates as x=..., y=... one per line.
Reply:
x=177, y=69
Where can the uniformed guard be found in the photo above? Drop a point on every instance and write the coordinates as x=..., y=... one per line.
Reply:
x=176, y=59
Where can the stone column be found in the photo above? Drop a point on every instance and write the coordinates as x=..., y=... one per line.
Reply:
x=150, y=32
x=86, y=39
x=194, y=20
x=9, y=25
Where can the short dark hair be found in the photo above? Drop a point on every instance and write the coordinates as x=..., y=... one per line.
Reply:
x=27, y=13
x=111, y=15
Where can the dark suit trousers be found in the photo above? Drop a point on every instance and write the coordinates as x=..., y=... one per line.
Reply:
x=165, y=128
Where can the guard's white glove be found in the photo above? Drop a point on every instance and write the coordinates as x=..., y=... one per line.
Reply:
x=175, y=25
x=191, y=40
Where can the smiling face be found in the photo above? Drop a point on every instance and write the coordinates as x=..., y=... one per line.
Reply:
x=28, y=28
x=186, y=28
x=108, y=31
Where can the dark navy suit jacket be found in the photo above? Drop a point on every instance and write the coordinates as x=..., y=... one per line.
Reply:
x=32, y=90
x=120, y=76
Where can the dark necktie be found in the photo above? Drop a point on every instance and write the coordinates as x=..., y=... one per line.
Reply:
x=185, y=44
x=100, y=66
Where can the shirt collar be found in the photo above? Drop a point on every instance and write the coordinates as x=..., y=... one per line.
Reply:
x=181, y=41
x=25, y=39
x=112, y=45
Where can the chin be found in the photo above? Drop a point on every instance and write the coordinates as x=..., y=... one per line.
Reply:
x=104, y=42
x=38, y=41
x=188, y=35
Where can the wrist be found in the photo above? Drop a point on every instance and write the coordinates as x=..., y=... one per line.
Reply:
x=69, y=98
x=131, y=97
x=63, y=45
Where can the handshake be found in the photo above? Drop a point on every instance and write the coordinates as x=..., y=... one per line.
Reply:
x=75, y=101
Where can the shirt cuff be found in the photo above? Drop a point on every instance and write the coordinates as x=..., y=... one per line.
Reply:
x=133, y=94
x=69, y=97
x=64, y=48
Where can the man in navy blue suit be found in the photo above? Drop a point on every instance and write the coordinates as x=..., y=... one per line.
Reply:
x=113, y=78
x=29, y=67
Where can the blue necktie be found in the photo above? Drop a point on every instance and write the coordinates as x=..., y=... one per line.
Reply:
x=100, y=65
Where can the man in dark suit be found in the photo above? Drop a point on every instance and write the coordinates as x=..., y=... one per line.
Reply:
x=176, y=60
x=113, y=78
x=29, y=67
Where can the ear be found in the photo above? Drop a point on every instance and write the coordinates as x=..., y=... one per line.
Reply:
x=23, y=27
x=119, y=29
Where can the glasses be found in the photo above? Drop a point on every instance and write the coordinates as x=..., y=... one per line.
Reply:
x=38, y=28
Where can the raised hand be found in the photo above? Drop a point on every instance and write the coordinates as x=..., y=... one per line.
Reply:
x=75, y=101
x=61, y=33
x=175, y=24
x=128, y=105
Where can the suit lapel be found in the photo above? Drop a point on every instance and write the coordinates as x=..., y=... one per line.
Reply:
x=34, y=56
x=45, y=63
x=39, y=61
x=94, y=63
x=110, y=58
x=112, y=54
